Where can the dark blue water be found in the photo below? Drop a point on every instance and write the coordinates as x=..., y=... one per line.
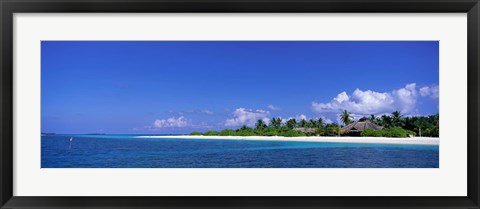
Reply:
x=120, y=151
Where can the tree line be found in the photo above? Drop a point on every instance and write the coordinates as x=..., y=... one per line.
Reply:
x=279, y=127
x=393, y=124
x=419, y=125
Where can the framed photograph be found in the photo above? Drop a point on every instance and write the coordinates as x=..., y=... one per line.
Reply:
x=239, y=104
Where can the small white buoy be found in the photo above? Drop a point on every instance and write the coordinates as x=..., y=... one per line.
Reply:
x=70, y=144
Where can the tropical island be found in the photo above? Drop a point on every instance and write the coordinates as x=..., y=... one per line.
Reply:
x=393, y=126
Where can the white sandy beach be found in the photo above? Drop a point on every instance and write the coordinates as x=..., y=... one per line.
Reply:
x=372, y=140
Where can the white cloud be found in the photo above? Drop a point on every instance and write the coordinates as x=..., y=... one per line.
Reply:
x=327, y=120
x=273, y=108
x=207, y=112
x=243, y=116
x=179, y=122
x=371, y=102
x=266, y=121
x=429, y=91
x=406, y=98
x=298, y=117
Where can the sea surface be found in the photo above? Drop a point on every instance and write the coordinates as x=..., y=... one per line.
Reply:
x=128, y=151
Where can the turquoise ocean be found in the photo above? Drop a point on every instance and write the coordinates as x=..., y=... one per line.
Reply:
x=129, y=151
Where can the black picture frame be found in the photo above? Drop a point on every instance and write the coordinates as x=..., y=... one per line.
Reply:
x=9, y=7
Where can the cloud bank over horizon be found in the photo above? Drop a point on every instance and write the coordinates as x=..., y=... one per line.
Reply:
x=359, y=103
x=172, y=122
x=243, y=116
x=371, y=102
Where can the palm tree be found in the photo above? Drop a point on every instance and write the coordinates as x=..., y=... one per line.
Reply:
x=409, y=124
x=302, y=123
x=243, y=128
x=312, y=123
x=291, y=123
x=276, y=122
x=345, y=117
x=436, y=122
x=397, y=119
x=372, y=118
x=260, y=125
x=320, y=122
x=331, y=129
x=386, y=121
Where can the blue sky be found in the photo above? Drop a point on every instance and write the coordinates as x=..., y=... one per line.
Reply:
x=184, y=86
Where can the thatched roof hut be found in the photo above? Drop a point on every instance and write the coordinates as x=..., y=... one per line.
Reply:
x=360, y=125
x=305, y=130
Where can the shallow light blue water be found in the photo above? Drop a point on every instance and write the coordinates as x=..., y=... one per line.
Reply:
x=126, y=151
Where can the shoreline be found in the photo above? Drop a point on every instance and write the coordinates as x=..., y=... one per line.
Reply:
x=362, y=140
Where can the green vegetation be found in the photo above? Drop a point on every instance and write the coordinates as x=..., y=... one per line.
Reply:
x=195, y=134
x=395, y=125
x=345, y=117
x=278, y=128
x=388, y=132
x=415, y=125
x=293, y=133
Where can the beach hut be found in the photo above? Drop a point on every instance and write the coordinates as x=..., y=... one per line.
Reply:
x=357, y=127
x=305, y=130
